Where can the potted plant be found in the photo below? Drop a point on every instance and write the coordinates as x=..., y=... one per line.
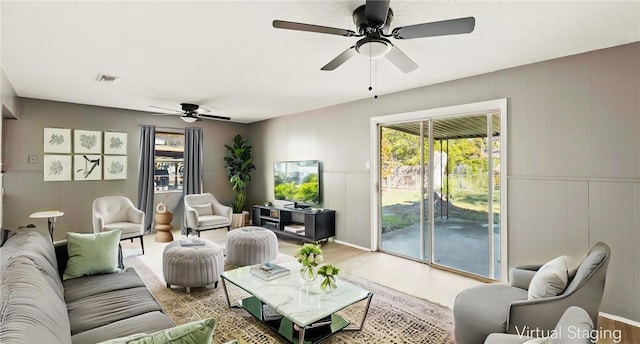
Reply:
x=239, y=164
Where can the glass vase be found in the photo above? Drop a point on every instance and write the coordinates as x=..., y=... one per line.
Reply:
x=328, y=285
x=308, y=273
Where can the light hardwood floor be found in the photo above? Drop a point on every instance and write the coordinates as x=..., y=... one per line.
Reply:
x=408, y=276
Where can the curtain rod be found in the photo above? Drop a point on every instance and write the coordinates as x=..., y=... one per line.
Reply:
x=164, y=128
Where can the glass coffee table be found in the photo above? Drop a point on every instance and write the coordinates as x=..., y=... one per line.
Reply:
x=293, y=307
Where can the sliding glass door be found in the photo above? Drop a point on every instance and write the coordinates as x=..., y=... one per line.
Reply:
x=439, y=191
x=402, y=186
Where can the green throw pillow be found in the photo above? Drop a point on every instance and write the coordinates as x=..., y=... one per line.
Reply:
x=194, y=332
x=92, y=254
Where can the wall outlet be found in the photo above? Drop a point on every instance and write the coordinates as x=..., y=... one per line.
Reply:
x=33, y=159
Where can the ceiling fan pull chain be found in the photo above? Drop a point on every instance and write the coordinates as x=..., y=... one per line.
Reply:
x=370, y=88
x=375, y=80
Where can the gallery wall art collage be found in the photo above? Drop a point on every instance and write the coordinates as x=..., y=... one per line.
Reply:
x=90, y=155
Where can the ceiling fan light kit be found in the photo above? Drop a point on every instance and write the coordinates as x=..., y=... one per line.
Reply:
x=189, y=119
x=373, y=48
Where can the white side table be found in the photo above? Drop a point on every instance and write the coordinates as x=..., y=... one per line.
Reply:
x=51, y=216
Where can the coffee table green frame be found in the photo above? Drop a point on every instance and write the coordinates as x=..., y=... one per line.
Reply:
x=300, y=303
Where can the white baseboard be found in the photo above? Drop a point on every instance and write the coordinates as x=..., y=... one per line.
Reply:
x=620, y=319
x=352, y=245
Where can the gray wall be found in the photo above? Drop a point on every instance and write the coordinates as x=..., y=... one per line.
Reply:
x=574, y=158
x=25, y=191
x=10, y=109
x=10, y=103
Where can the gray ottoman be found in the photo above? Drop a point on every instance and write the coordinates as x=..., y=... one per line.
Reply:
x=251, y=245
x=194, y=266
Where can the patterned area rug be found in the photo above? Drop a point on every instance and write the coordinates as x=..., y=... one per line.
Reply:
x=394, y=317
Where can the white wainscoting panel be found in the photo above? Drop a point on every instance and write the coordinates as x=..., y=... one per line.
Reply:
x=547, y=219
x=333, y=196
x=612, y=220
x=359, y=200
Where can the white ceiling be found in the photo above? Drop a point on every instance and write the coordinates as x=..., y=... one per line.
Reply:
x=226, y=56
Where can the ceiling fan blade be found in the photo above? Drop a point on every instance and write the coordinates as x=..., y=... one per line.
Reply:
x=281, y=24
x=202, y=110
x=214, y=117
x=165, y=109
x=400, y=60
x=340, y=59
x=376, y=11
x=439, y=28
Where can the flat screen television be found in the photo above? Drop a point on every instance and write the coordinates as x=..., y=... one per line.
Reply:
x=297, y=181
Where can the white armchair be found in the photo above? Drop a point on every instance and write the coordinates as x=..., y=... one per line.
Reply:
x=118, y=212
x=204, y=212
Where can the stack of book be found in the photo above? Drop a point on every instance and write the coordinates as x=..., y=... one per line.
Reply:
x=295, y=228
x=268, y=313
x=269, y=271
x=191, y=242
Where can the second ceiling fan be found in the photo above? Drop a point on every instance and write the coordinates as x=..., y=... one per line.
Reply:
x=373, y=21
x=191, y=113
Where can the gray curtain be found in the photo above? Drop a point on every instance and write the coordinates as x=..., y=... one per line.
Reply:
x=192, y=173
x=146, y=171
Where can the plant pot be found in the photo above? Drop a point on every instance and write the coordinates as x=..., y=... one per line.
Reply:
x=247, y=218
x=237, y=220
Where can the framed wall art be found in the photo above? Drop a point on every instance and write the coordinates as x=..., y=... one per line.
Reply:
x=87, y=142
x=87, y=167
x=115, y=167
x=115, y=143
x=57, y=168
x=57, y=140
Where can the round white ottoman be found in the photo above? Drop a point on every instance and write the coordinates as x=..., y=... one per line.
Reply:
x=251, y=245
x=192, y=266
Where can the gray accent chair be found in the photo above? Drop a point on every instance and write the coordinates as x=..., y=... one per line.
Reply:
x=203, y=212
x=118, y=212
x=500, y=308
x=572, y=328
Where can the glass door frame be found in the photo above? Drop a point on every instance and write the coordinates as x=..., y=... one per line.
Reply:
x=491, y=106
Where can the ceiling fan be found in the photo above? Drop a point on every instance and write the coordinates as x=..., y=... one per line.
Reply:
x=191, y=113
x=373, y=21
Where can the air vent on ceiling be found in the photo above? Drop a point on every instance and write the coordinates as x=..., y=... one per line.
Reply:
x=107, y=79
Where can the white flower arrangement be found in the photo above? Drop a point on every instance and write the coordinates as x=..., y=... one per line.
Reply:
x=309, y=255
x=329, y=272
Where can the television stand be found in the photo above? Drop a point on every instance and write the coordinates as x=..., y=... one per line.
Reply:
x=295, y=223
